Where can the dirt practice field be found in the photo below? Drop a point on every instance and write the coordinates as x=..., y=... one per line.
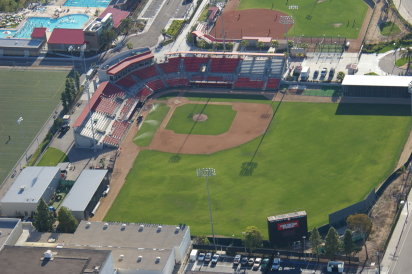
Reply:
x=251, y=121
x=251, y=22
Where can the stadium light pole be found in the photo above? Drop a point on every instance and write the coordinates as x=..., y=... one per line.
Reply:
x=286, y=20
x=208, y=172
x=410, y=92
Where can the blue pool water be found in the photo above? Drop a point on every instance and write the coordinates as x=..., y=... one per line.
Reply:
x=87, y=3
x=73, y=21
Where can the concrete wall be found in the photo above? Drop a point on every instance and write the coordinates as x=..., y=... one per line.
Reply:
x=52, y=188
x=107, y=267
x=182, y=250
x=82, y=141
x=18, y=209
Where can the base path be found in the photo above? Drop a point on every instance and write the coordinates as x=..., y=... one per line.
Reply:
x=250, y=122
x=251, y=22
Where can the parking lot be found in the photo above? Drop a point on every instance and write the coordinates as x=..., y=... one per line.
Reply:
x=225, y=265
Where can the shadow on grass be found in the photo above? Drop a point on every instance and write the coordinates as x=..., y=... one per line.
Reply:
x=373, y=109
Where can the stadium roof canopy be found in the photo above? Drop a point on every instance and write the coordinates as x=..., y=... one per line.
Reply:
x=230, y=53
x=377, y=81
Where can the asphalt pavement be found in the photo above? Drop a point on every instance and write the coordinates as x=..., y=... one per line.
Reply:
x=405, y=9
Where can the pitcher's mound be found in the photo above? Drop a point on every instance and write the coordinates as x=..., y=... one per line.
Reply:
x=199, y=117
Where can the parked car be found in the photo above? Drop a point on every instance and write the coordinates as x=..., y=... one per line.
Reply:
x=323, y=72
x=316, y=74
x=276, y=264
x=201, y=257
x=250, y=262
x=208, y=257
x=264, y=264
x=244, y=261
x=297, y=71
x=237, y=259
x=335, y=266
x=257, y=263
x=331, y=73
x=215, y=258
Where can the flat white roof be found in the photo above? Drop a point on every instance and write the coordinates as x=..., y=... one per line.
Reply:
x=83, y=189
x=31, y=184
x=377, y=81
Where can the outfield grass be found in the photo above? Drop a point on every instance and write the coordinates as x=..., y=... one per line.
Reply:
x=401, y=62
x=32, y=95
x=52, y=156
x=315, y=157
x=219, y=119
x=150, y=125
x=317, y=18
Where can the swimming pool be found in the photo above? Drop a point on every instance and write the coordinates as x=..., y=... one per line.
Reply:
x=73, y=21
x=87, y=3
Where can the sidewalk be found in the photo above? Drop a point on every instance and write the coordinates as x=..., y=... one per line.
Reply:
x=397, y=240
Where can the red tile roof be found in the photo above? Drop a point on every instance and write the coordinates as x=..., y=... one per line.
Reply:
x=38, y=33
x=128, y=62
x=67, y=37
x=118, y=15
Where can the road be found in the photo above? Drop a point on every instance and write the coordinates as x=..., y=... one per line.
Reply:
x=405, y=9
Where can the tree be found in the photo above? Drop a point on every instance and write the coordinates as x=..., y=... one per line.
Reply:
x=362, y=224
x=348, y=245
x=260, y=45
x=315, y=241
x=107, y=38
x=76, y=76
x=407, y=54
x=65, y=101
x=244, y=43
x=252, y=237
x=331, y=243
x=340, y=76
x=274, y=44
x=202, y=240
x=67, y=222
x=125, y=25
x=43, y=219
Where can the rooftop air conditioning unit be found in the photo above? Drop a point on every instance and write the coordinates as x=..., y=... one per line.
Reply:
x=141, y=227
x=48, y=255
x=123, y=227
x=157, y=260
x=177, y=229
x=121, y=257
x=88, y=224
x=106, y=225
x=159, y=228
x=139, y=258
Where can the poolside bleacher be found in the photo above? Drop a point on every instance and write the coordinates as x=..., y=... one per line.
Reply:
x=193, y=64
x=225, y=65
x=146, y=73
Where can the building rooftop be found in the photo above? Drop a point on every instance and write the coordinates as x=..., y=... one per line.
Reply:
x=287, y=216
x=373, y=80
x=67, y=37
x=7, y=225
x=21, y=259
x=118, y=15
x=128, y=62
x=20, y=43
x=30, y=185
x=129, y=235
x=38, y=33
x=83, y=189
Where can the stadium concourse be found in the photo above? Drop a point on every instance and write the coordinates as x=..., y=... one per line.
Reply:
x=135, y=75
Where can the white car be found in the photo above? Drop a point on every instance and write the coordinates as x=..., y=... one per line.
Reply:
x=201, y=257
x=215, y=258
x=257, y=263
x=275, y=264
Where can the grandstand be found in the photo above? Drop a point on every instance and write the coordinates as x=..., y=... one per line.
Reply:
x=131, y=78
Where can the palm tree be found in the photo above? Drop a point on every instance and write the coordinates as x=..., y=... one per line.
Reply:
x=407, y=55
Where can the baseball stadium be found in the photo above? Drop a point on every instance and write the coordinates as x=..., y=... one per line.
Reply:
x=168, y=117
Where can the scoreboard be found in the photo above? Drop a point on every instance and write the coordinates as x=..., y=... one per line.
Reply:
x=287, y=228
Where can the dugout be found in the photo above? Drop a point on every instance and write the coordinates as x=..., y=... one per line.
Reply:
x=287, y=228
x=376, y=86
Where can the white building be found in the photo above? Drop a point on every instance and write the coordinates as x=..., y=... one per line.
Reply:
x=33, y=183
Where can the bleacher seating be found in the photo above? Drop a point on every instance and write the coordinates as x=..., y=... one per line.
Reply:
x=146, y=73
x=106, y=106
x=143, y=93
x=273, y=83
x=197, y=78
x=243, y=82
x=178, y=82
x=193, y=64
x=156, y=85
x=171, y=66
x=127, y=107
x=215, y=78
x=276, y=68
x=253, y=66
x=112, y=91
x=111, y=141
x=126, y=81
x=225, y=65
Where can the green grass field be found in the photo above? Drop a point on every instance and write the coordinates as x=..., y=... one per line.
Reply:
x=306, y=161
x=150, y=125
x=52, y=156
x=182, y=122
x=318, y=17
x=32, y=95
x=389, y=28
